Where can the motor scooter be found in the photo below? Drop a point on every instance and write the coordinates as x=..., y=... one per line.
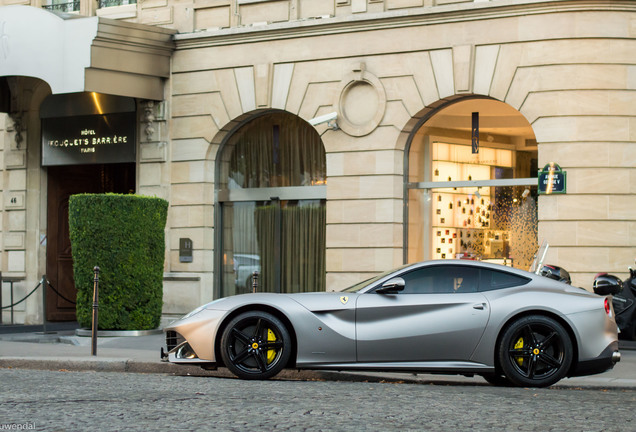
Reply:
x=623, y=300
x=547, y=270
x=623, y=294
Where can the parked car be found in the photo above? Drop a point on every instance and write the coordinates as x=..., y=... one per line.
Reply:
x=244, y=267
x=452, y=316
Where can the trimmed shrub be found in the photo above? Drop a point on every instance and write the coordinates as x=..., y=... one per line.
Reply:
x=124, y=236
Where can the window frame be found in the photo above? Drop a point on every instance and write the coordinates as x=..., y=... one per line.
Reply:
x=225, y=194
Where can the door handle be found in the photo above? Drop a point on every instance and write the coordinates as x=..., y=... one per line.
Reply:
x=480, y=306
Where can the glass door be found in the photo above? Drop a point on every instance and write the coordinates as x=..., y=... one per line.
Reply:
x=284, y=241
x=272, y=196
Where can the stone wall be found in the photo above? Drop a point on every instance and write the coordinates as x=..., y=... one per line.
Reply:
x=568, y=67
x=570, y=74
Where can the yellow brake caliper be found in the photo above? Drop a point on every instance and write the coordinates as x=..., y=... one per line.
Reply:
x=519, y=345
x=271, y=354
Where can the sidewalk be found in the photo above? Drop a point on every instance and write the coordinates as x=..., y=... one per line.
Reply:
x=63, y=350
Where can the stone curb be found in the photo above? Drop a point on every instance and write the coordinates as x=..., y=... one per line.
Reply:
x=105, y=364
x=87, y=364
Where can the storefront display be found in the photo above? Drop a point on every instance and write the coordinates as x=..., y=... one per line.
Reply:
x=462, y=217
x=478, y=222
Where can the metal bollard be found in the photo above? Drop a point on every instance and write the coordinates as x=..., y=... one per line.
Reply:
x=255, y=281
x=44, y=287
x=95, y=311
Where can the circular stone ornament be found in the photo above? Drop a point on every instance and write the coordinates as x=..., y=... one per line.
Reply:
x=361, y=102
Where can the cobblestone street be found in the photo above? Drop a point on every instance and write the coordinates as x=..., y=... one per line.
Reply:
x=79, y=401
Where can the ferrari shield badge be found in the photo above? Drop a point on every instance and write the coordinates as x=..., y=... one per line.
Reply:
x=344, y=299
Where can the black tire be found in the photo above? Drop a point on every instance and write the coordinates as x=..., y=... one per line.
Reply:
x=497, y=379
x=535, y=351
x=255, y=345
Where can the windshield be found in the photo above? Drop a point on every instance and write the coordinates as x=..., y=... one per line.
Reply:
x=537, y=263
x=360, y=285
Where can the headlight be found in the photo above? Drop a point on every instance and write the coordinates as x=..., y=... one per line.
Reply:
x=194, y=312
x=199, y=309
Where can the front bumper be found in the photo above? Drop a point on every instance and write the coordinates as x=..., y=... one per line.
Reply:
x=182, y=354
x=191, y=339
x=180, y=351
x=604, y=362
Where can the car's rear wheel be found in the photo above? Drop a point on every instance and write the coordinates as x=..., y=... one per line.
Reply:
x=535, y=351
x=255, y=345
x=497, y=379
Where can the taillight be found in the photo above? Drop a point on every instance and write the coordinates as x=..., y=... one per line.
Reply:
x=607, y=306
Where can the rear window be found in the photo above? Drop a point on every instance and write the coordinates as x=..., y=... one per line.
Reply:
x=494, y=280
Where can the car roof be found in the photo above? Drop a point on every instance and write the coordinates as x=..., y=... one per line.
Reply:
x=471, y=263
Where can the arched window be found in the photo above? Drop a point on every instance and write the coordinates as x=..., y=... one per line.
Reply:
x=272, y=207
x=473, y=203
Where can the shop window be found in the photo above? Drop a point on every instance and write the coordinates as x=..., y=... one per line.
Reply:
x=473, y=205
x=479, y=222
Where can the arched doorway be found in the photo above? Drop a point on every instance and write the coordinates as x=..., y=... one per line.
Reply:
x=271, y=207
x=88, y=146
x=470, y=203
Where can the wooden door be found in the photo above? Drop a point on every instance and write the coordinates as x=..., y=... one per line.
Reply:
x=62, y=183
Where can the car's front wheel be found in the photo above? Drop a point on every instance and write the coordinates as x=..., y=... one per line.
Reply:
x=535, y=351
x=255, y=345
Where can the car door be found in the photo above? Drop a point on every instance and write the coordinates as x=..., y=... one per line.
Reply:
x=438, y=315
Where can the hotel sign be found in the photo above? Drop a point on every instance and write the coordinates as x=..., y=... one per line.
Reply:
x=185, y=250
x=90, y=139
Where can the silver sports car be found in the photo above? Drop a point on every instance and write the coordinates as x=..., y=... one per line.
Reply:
x=453, y=317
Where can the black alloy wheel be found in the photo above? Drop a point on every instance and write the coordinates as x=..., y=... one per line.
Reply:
x=535, y=351
x=255, y=345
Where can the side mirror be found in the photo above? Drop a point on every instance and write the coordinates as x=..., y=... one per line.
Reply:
x=392, y=286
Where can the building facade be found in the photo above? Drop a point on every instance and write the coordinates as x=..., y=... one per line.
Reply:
x=320, y=142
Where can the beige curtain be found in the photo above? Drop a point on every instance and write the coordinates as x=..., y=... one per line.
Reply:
x=303, y=248
x=276, y=151
x=299, y=253
x=265, y=222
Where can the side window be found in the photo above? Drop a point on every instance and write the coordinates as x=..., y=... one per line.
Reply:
x=442, y=279
x=494, y=280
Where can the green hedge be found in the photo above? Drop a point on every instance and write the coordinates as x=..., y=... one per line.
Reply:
x=124, y=236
